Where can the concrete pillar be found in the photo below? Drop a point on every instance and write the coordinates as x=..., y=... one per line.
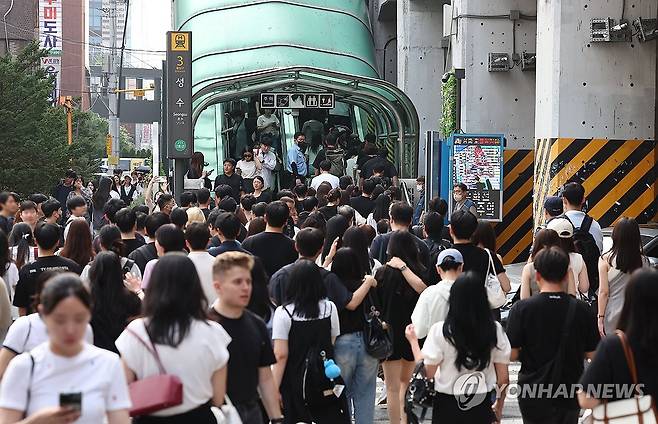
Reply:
x=420, y=60
x=595, y=110
x=585, y=89
x=384, y=32
x=495, y=102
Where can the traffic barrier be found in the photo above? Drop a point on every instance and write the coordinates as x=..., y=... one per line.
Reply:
x=514, y=233
x=619, y=176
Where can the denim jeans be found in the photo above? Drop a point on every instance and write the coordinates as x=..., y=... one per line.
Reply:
x=359, y=370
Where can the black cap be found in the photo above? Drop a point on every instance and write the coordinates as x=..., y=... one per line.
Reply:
x=553, y=205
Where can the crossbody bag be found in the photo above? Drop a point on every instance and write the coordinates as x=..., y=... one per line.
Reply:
x=156, y=392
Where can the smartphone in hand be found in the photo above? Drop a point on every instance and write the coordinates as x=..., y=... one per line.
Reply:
x=71, y=400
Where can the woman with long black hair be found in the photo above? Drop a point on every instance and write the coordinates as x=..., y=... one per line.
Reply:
x=357, y=239
x=188, y=345
x=98, y=200
x=22, y=245
x=615, y=269
x=307, y=323
x=260, y=302
x=638, y=325
x=196, y=178
x=469, y=341
x=380, y=211
x=336, y=227
x=8, y=269
x=114, y=304
x=397, y=293
x=359, y=369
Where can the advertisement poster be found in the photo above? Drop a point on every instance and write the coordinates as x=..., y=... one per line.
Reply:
x=477, y=161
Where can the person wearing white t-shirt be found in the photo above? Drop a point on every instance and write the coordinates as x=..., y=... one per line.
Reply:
x=433, y=303
x=468, y=355
x=267, y=158
x=65, y=364
x=29, y=331
x=197, y=236
x=325, y=176
x=307, y=320
x=187, y=344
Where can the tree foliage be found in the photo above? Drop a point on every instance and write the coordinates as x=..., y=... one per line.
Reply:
x=34, y=153
x=449, y=117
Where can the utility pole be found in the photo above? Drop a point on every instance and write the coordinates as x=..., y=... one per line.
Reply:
x=113, y=95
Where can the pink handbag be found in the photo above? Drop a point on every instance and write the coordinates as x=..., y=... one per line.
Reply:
x=156, y=392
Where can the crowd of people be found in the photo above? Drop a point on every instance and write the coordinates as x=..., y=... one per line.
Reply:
x=266, y=302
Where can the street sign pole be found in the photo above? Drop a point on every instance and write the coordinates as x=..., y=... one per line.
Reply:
x=180, y=141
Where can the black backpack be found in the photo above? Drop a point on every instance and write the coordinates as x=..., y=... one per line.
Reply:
x=317, y=389
x=435, y=249
x=586, y=246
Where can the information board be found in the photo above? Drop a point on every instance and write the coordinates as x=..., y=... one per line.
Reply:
x=477, y=161
x=180, y=144
x=297, y=100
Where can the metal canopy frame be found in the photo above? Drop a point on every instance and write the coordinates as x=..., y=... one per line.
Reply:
x=394, y=113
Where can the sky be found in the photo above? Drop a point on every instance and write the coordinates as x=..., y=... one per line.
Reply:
x=149, y=20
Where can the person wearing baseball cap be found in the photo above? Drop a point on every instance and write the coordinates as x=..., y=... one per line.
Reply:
x=432, y=305
x=565, y=230
x=553, y=207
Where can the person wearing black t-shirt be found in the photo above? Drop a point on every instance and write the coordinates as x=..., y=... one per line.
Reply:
x=250, y=349
x=309, y=243
x=639, y=323
x=8, y=208
x=126, y=220
x=550, y=331
x=381, y=165
x=231, y=179
x=364, y=204
x=462, y=226
x=401, y=215
x=144, y=254
x=274, y=248
x=47, y=238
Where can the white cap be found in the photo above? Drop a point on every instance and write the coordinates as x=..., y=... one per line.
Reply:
x=562, y=226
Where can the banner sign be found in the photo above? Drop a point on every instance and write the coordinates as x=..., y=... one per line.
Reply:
x=50, y=38
x=180, y=142
x=53, y=67
x=477, y=161
x=297, y=101
x=50, y=26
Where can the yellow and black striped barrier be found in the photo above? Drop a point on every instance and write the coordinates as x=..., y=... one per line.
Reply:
x=619, y=176
x=514, y=233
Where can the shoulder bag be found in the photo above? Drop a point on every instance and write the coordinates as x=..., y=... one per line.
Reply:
x=157, y=392
x=638, y=409
x=227, y=414
x=420, y=394
x=376, y=333
x=495, y=292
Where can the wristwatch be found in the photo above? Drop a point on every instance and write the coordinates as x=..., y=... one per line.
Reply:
x=403, y=268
